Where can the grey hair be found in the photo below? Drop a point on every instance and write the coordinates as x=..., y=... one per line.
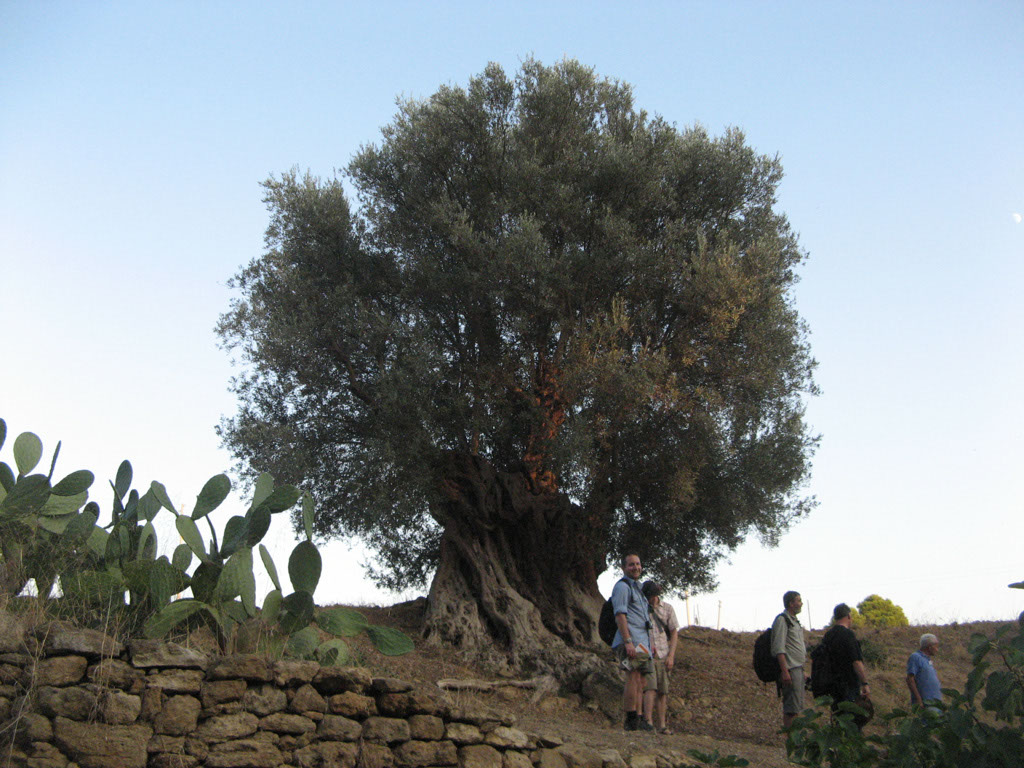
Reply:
x=928, y=639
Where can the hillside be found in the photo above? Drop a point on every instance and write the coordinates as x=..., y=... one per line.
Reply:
x=716, y=701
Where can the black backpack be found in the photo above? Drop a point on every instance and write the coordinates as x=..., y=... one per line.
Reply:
x=606, y=626
x=823, y=677
x=765, y=664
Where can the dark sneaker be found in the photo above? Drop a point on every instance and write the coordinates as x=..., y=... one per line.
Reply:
x=643, y=725
x=631, y=724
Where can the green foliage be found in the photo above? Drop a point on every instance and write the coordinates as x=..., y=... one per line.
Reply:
x=716, y=759
x=49, y=529
x=224, y=584
x=43, y=526
x=534, y=256
x=947, y=734
x=876, y=611
x=873, y=653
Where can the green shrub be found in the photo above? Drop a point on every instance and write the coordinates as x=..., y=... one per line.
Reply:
x=879, y=611
x=873, y=652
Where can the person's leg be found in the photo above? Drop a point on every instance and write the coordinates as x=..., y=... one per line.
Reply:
x=630, y=700
x=661, y=708
x=649, y=699
x=793, y=697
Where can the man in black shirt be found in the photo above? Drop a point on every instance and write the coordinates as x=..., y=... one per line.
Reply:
x=850, y=678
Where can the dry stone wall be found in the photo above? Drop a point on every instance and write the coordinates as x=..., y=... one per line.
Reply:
x=73, y=698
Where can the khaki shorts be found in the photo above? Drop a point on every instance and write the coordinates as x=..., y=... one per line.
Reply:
x=640, y=663
x=658, y=679
x=793, y=696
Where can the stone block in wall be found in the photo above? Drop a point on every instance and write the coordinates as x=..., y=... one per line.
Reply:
x=306, y=699
x=114, y=673
x=226, y=727
x=10, y=673
x=5, y=708
x=513, y=759
x=58, y=638
x=464, y=733
x=45, y=755
x=282, y=722
x=75, y=703
x=32, y=726
x=59, y=671
x=643, y=761
x=481, y=715
x=548, y=758
x=178, y=716
x=405, y=704
x=152, y=703
x=245, y=753
x=263, y=700
x=176, y=680
x=385, y=730
x=612, y=759
x=147, y=654
x=12, y=633
x=375, y=756
x=96, y=745
x=328, y=754
x=160, y=742
x=351, y=704
x=580, y=756
x=394, y=704
x=389, y=685
x=479, y=756
x=117, y=707
x=338, y=728
x=173, y=760
x=243, y=667
x=412, y=754
x=215, y=692
x=227, y=708
x=426, y=727
x=505, y=737
x=292, y=674
x=196, y=746
x=332, y=680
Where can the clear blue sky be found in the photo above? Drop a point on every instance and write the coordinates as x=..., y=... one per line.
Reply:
x=133, y=137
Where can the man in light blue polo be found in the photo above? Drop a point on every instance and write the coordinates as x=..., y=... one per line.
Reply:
x=632, y=644
x=922, y=679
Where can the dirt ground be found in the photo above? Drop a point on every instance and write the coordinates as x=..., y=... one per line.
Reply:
x=716, y=701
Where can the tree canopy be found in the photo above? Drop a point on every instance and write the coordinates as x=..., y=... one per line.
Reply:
x=544, y=280
x=878, y=611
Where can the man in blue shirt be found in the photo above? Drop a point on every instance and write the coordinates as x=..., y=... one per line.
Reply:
x=631, y=644
x=922, y=679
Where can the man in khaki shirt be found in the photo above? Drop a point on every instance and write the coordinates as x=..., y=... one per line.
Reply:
x=789, y=648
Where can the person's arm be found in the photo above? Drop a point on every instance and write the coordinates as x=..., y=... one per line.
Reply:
x=779, y=630
x=862, y=676
x=915, y=695
x=912, y=669
x=627, y=639
x=673, y=638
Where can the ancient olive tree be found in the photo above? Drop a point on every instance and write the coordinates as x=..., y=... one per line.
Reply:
x=556, y=328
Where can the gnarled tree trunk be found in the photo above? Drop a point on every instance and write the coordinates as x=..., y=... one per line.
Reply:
x=517, y=578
